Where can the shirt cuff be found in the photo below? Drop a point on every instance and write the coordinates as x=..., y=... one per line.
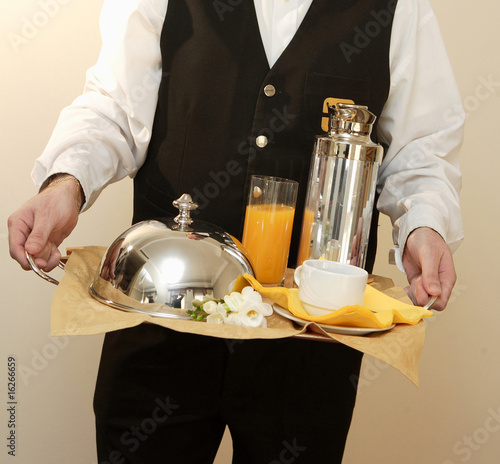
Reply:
x=41, y=175
x=417, y=216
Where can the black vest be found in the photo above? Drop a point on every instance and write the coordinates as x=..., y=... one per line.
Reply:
x=218, y=95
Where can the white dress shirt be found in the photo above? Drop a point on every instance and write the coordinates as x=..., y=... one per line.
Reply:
x=103, y=136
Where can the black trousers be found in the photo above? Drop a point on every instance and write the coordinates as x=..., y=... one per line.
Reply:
x=166, y=397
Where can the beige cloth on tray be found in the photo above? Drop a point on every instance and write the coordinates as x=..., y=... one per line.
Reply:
x=75, y=312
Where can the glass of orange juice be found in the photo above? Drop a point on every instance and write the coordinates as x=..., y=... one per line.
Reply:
x=268, y=226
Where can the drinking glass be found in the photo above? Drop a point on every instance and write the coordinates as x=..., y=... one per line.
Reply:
x=268, y=226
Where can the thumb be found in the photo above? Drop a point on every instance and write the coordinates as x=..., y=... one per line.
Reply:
x=38, y=239
x=430, y=275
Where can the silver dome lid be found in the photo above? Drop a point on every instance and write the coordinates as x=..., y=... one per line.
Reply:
x=158, y=267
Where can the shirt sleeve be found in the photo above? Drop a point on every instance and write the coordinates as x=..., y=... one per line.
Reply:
x=103, y=135
x=422, y=124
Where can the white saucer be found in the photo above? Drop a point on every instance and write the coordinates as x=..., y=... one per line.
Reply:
x=330, y=328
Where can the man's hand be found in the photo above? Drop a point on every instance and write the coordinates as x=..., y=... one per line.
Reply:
x=42, y=223
x=429, y=267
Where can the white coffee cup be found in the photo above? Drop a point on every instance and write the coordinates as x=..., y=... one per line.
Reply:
x=325, y=286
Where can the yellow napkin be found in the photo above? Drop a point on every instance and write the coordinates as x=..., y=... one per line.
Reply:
x=378, y=310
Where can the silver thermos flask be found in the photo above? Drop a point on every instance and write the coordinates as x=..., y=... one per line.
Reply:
x=341, y=188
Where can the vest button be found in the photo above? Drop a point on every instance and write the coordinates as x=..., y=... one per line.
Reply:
x=261, y=141
x=269, y=90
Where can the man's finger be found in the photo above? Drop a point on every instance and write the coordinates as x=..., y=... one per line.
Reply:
x=422, y=296
x=38, y=243
x=430, y=263
x=54, y=259
x=16, y=250
x=18, y=232
x=447, y=277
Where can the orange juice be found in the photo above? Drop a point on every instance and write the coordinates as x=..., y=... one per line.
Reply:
x=266, y=238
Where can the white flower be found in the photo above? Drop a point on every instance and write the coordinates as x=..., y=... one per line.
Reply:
x=250, y=307
x=234, y=301
x=219, y=315
x=266, y=309
x=234, y=318
x=216, y=318
x=210, y=307
x=245, y=308
x=251, y=295
x=251, y=317
x=254, y=314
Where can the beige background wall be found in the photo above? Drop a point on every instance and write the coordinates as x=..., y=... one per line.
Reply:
x=453, y=417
